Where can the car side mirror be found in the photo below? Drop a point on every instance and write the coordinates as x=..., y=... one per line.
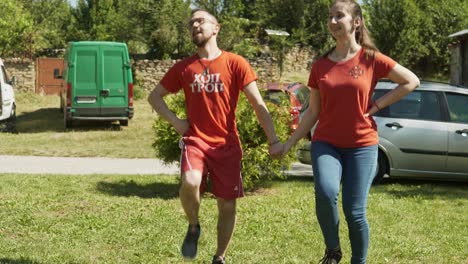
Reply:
x=12, y=80
x=57, y=74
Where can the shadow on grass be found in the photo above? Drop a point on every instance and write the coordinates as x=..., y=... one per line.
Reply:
x=51, y=119
x=17, y=261
x=296, y=178
x=426, y=189
x=160, y=190
x=402, y=188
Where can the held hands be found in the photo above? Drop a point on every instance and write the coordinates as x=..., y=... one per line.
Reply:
x=278, y=150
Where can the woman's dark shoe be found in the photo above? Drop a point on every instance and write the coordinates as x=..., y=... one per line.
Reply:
x=190, y=244
x=332, y=256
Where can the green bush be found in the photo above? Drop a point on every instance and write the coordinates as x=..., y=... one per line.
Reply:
x=138, y=92
x=257, y=166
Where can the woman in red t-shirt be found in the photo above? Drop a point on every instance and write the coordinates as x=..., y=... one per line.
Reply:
x=345, y=142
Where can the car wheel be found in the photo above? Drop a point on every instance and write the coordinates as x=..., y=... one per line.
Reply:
x=61, y=106
x=382, y=168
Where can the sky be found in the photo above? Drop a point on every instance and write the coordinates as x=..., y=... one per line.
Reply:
x=73, y=2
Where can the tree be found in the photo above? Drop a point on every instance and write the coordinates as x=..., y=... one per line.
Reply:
x=446, y=17
x=92, y=20
x=415, y=33
x=50, y=23
x=396, y=27
x=168, y=29
x=15, y=28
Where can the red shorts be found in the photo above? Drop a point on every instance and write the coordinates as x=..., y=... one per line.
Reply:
x=220, y=165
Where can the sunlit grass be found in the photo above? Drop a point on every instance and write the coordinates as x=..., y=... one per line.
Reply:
x=138, y=219
x=41, y=132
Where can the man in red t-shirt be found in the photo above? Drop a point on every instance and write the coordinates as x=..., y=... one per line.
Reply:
x=211, y=80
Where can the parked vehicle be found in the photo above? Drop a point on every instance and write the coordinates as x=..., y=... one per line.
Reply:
x=98, y=82
x=296, y=94
x=425, y=135
x=7, y=101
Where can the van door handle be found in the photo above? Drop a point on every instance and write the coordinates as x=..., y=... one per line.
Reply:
x=394, y=125
x=104, y=92
x=463, y=132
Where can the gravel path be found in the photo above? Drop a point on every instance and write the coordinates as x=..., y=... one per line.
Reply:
x=59, y=165
x=86, y=166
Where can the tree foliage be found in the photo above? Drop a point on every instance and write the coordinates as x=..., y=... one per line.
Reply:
x=16, y=27
x=413, y=32
x=51, y=20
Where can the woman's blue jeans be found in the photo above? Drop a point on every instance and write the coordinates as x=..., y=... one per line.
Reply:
x=355, y=168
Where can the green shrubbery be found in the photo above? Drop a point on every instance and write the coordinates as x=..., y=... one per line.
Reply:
x=257, y=166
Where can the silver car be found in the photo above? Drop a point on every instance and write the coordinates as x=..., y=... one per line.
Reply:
x=424, y=135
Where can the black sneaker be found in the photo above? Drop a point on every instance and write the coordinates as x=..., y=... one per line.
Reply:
x=218, y=260
x=189, y=247
x=332, y=256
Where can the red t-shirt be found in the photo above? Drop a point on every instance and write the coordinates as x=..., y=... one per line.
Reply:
x=211, y=98
x=346, y=90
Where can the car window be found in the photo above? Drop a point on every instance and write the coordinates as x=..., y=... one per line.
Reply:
x=277, y=97
x=424, y=105
x=302, y=94
x=458, y=107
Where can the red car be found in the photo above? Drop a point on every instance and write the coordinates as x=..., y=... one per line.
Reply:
x=298, y=94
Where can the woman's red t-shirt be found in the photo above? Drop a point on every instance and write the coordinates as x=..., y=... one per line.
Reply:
x=346, y=90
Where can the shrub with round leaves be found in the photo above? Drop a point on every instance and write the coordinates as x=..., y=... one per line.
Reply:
x=257, y=166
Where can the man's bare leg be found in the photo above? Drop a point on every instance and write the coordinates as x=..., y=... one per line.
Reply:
x=189, y=193
x=226, y=224
x=190, y=198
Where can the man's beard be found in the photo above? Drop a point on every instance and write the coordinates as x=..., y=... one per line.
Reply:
x=199, y=41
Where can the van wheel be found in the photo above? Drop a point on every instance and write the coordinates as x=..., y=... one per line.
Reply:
x=382, y=168
x=123, y=122
x=66, y=122
x=11, y=121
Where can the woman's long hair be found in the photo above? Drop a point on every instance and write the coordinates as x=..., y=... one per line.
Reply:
x=362, y=34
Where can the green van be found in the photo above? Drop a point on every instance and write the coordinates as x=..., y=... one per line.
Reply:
x=98, y=83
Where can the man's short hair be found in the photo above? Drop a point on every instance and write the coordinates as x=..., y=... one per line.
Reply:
x=203, y=10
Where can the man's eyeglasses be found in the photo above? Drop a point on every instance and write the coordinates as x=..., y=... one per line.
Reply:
x=199, y=21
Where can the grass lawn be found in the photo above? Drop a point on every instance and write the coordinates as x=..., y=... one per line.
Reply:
x=138, y=219
x=41, y=132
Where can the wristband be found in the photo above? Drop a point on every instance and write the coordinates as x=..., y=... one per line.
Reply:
x=274, y=142
x=376, y=105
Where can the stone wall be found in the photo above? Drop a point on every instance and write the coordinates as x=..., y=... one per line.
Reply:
x=148, y=73
x=25, y=72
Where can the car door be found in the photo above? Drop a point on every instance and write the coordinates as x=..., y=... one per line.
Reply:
x=413, y=134
x=457, y=161
x=114, y=96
